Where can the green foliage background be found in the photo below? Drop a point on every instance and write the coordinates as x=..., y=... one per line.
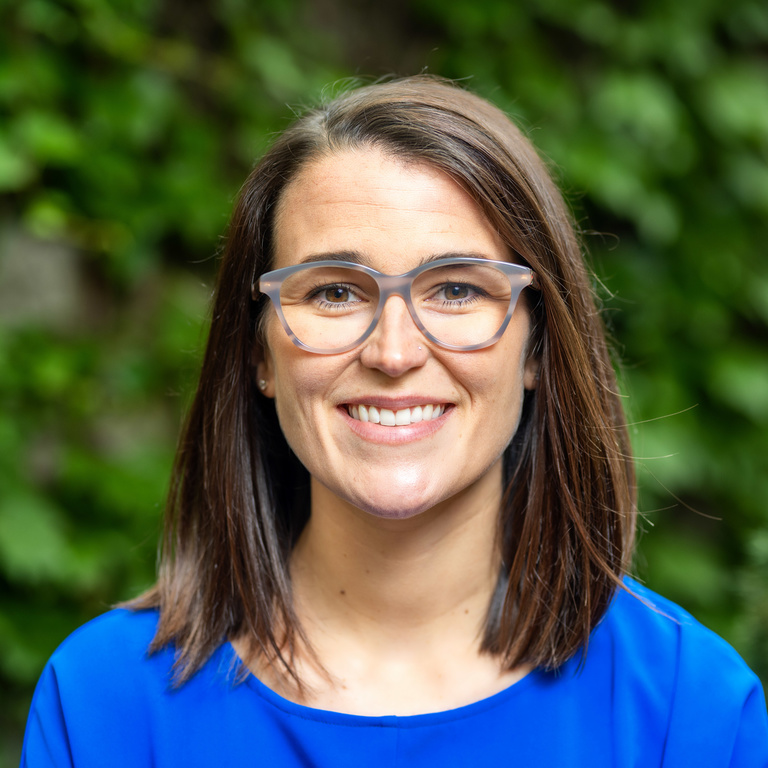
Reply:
x=126, y=127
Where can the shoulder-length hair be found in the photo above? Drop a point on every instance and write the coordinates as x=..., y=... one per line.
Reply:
x=239, y=498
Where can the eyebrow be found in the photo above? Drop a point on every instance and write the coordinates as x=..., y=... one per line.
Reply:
x=455, y=255
x=356, y=257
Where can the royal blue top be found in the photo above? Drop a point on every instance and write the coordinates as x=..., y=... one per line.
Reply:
x=656, y=689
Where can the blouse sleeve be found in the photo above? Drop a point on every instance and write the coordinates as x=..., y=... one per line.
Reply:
x=750, y=748
x=718, y=715
x=92, y=704
x=46, y=743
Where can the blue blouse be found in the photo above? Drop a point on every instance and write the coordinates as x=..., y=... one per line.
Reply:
x=656, y=689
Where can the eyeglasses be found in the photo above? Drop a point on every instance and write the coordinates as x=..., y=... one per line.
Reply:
x=328, y=307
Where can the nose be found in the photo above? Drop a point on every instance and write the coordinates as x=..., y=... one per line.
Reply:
x=396, y=344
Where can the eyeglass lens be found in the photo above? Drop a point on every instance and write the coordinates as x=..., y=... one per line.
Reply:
x=329, y=307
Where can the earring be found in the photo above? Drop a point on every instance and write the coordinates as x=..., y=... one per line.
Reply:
x=262, y=384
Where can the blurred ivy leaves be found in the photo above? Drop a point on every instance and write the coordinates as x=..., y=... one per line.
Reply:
x=126, y=127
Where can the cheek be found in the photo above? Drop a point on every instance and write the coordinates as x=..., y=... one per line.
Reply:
x=498, y=374
x=496, y=387
x=278, y=368
x=294, y=414
x=293, y=389
x=282, y=359
x=300, y=383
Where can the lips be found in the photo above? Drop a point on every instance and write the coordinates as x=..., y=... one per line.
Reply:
x=401, y=417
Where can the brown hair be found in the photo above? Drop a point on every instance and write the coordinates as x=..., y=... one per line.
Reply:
x=568, y=515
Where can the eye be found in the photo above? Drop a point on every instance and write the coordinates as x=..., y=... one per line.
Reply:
x=456, y=291
x=337, y=293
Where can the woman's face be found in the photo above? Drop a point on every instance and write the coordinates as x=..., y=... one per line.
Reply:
x=392, y=216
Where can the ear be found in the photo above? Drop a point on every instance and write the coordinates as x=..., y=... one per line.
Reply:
x=263, y=369
x=531, y=372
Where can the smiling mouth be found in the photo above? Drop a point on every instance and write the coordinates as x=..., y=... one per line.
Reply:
x=400, y=418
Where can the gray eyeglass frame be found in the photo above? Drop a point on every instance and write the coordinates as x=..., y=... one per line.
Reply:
x=520, y=277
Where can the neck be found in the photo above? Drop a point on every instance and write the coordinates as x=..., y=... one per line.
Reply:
x=399, y=586
x=394, y=610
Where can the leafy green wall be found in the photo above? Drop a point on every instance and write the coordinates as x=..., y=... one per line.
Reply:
x=126, y=127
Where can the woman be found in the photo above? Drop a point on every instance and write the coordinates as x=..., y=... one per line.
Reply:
x=402, y=509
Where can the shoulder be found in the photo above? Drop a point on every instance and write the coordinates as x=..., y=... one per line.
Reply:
x=659, y=633
x=667, y=668
x=116, y=642
x=121, y=628
x=99, y=677
x=106, y=664
x=104, y=699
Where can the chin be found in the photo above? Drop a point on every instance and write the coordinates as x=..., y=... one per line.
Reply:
x=403, y=492
x=393, y=511
x=400, y=501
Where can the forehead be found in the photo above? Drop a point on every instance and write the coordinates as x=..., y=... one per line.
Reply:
x=392, y=213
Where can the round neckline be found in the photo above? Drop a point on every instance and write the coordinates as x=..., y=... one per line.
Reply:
x=331, y=717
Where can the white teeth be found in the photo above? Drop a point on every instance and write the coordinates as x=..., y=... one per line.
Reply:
x=401, y=418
